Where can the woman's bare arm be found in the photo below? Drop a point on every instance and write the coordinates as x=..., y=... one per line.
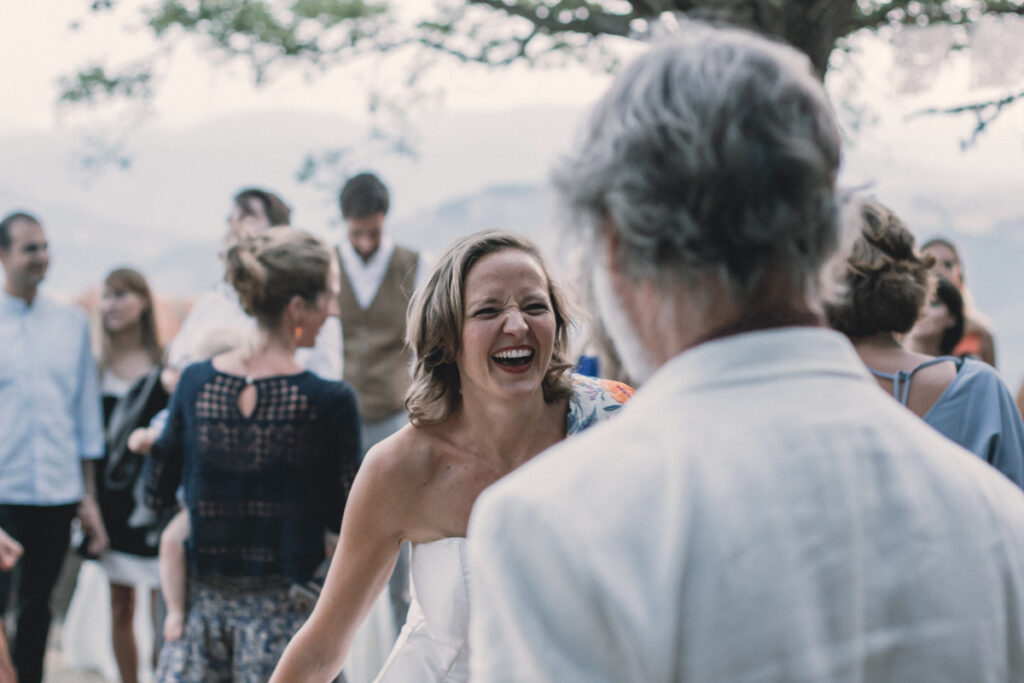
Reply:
x=372, y=532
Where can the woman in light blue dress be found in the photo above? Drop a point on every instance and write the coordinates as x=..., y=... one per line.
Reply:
x=887, y=285
x=491, y=389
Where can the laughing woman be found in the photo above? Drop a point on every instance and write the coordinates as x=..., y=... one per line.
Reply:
x=491, y=389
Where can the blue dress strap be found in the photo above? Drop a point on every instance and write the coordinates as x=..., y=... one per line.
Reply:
x=901, y=380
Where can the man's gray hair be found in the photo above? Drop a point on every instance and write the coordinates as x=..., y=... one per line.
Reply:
x=715, y=153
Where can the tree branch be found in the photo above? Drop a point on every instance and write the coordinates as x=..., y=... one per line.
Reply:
x=984, y=113
x=916, y=13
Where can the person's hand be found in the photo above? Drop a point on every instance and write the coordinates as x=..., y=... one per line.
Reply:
x=92, y=525
x=10, y=551
x=141, y=440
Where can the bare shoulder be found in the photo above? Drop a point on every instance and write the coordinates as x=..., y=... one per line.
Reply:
x=928, y=385
x=399, y=480
x=404, y=457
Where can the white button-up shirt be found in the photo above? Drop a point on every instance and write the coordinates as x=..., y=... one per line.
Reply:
x=760, y=511
x=367, y=276
x=50, y=417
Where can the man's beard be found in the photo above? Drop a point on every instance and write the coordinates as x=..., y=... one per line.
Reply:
x=635, y=358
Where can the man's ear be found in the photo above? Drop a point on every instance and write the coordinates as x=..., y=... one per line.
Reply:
x=610, y=237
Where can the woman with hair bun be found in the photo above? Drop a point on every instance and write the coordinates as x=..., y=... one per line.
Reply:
x=266, y=453
x=887, y=282
x=491, y=389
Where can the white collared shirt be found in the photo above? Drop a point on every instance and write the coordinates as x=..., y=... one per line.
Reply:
x=367, y=276
x=761, y=512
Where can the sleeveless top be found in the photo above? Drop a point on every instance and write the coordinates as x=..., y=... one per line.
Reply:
x=433, y=643
x=901, y=380
x=975, y=411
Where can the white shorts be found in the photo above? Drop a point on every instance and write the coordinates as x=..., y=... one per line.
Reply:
x=130, y=570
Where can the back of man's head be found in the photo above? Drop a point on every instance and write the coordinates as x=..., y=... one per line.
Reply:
x=713, y=154
x=276, y=211
x=8, y=221
x=363, y=195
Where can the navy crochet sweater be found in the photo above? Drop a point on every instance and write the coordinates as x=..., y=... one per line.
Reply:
x=260, y=489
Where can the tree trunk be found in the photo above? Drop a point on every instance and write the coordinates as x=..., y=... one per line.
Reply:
x=811, y=26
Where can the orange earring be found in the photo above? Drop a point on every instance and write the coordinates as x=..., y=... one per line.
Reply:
x=297, y=332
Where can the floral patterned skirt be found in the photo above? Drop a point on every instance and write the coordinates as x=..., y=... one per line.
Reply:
x=231, y=636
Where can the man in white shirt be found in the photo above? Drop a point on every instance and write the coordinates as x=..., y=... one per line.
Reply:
x=760, y=511
x=218, y=310
x=51, y=434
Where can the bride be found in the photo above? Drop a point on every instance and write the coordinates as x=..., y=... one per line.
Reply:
x=491, y=389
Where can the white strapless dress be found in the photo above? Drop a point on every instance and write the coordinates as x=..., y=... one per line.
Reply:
x=432, y=645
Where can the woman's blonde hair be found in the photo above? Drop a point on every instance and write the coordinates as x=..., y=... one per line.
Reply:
x=268, y=269
x=434, y=327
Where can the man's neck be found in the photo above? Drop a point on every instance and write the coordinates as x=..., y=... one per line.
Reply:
x=674, y=322
x=27, y=294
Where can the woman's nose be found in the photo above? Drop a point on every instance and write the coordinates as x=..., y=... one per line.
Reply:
x=515, y=321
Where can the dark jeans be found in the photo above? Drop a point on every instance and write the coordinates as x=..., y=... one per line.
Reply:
x=44, y=532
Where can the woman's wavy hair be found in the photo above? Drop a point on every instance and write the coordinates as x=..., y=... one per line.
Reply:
x=886, y=278
x=132, y=280
x=268, y=269
x=434, y=327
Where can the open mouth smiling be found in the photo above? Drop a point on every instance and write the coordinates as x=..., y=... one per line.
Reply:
x=515, y=357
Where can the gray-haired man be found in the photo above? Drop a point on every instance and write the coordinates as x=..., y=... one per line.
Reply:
x=760, y=511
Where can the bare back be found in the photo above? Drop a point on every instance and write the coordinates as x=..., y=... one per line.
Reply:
x=921, y=382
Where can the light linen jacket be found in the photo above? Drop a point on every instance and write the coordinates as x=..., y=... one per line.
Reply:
x=760, y=511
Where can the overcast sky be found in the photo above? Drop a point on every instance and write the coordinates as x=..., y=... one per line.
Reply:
x=37, y=46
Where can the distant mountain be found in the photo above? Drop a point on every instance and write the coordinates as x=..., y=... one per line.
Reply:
x=175, y=196
x=528, y=209
x=474, y=170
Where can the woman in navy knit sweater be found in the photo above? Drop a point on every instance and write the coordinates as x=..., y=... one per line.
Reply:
x=266, y=452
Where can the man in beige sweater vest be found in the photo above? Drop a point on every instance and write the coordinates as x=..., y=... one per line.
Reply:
x=378, y=278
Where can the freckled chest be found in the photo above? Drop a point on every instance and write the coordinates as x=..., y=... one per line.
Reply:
x=457, y=479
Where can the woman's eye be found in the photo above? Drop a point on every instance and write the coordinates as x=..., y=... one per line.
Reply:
x=486, y=313
x=537, y=308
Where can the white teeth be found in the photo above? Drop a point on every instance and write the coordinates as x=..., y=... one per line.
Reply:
x=514, y=353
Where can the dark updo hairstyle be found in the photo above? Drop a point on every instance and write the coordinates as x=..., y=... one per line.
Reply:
x=267, y=270
x=277, y=212
x=886, y=279
x=951, y=298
